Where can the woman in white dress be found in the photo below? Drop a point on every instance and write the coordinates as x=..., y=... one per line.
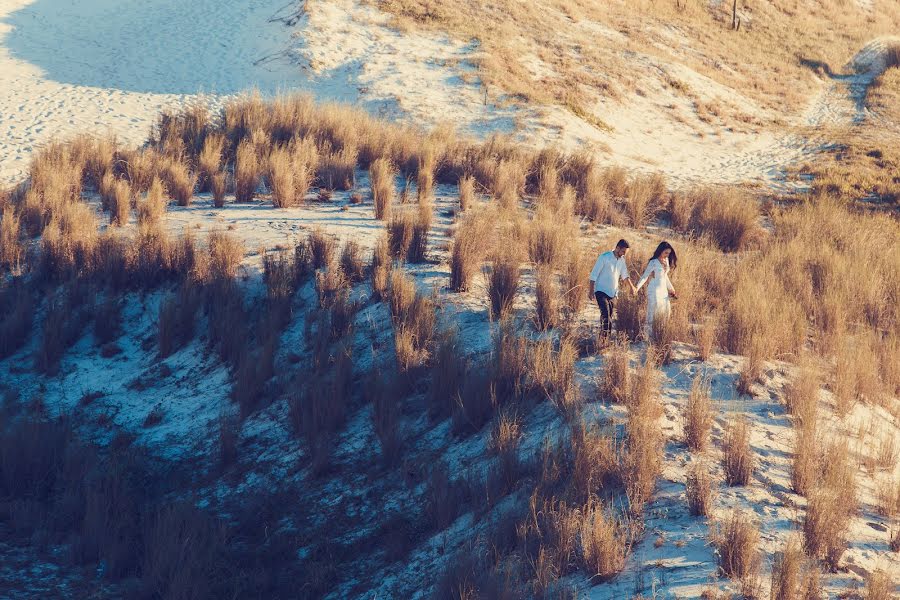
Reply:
x=659, y=290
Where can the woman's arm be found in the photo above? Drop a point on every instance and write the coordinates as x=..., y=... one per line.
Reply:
x=648, y=274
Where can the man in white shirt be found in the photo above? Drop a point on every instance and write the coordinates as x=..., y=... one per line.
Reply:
x=608, y=271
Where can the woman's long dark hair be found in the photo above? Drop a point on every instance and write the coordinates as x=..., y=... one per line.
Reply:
x=673, y=259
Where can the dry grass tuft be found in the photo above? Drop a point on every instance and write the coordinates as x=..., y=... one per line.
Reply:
x=466, y=192
x=280, y=176
x=700, y=489
x=831, y=504
x=698, y=415
x=218, y=189
x=879, y=586
x=503, y=282
x=793, y=577
x=547, y=299
x=209, y=161
x=180, y=182
x=470, y=242
x=246, y=172
x=644, y=442
x=151, y=209
x=381, y=178
x=737, y=455
x=414, y=320
x=381, y=267
x=120, y=207
x=738, y=545
x=615, y=384
x=12, y=252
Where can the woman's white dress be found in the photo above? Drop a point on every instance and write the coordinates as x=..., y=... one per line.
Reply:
x=658, y=303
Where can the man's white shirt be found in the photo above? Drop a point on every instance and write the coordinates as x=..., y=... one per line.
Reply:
x=607, y=272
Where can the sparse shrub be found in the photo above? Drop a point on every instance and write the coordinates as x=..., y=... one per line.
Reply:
x=508, y=183
x=547, y=240
x=737, y=460
x=503, y=282
x=321, y=406
x=425, y=175
x=246, y=172
x=418, y=245
x=177, y=319
x=698, y=417
x=641, y=202
x=805, y=463
x=793, y=576
x=700, y=490
x=381, y=177
x=509, y=366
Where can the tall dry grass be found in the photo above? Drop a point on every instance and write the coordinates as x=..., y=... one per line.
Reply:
x=698, y=415
x=246, y=172
x=381, y=178
x=503, y=282
x=12, y=252
x=151, y=209
x=180, y=182
x=209, y=162
x=471, y=241
x=738, y=460
x=700, y=489
x=280, y=177
x=737, y=541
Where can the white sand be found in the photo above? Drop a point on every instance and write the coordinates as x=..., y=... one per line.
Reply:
x=112, y=65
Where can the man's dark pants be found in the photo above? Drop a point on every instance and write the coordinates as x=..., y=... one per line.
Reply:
x=606, y=308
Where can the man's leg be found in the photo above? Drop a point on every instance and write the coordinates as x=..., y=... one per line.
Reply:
x=605, y=304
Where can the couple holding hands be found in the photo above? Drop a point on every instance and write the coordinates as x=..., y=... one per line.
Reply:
x=610, y=268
